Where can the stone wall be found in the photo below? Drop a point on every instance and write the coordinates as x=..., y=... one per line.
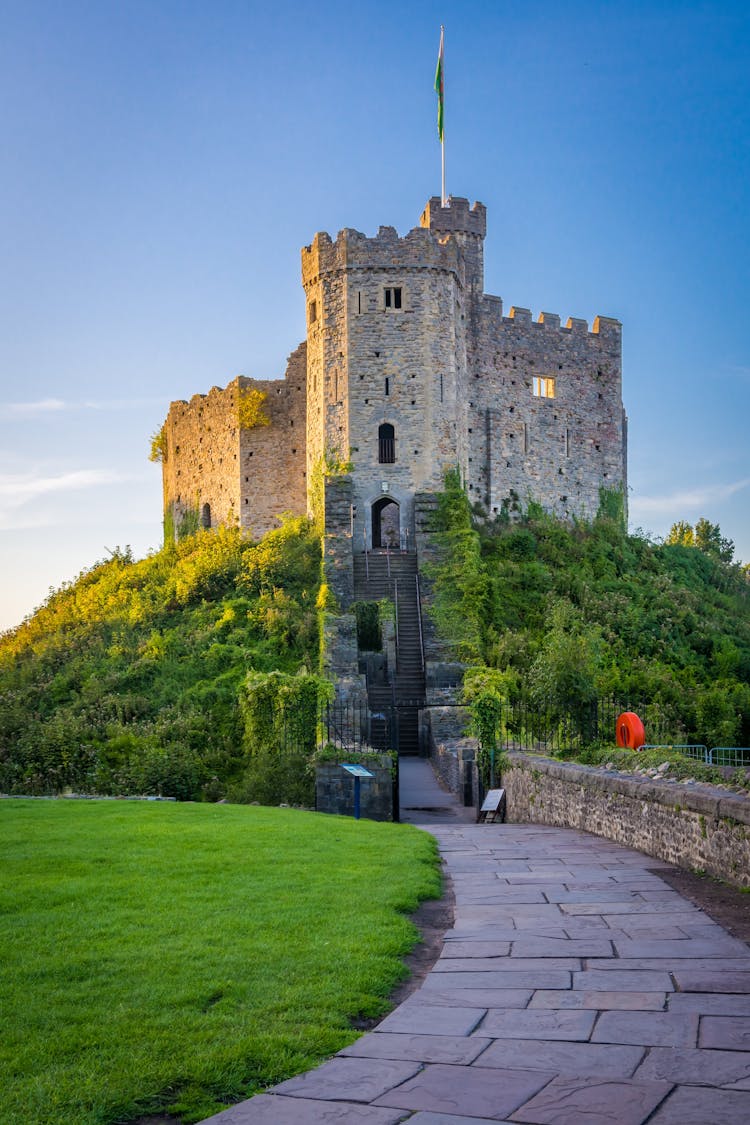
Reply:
x=556, y=450
x=334, y=790
x=230, y=474
x=273, y=472
x=696, y=826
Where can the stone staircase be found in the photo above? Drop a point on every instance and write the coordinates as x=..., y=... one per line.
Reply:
x=384, y=576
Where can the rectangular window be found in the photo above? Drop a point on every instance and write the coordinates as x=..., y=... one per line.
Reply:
x=387, y=385
x=313, y=311
x=393, y=298
x=544, y=387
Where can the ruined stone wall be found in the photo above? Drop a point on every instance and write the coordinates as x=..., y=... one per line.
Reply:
x=243, y=476
x=272, y=461
x=201, y=465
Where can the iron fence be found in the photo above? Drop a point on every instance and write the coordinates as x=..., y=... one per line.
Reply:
x=547, y=726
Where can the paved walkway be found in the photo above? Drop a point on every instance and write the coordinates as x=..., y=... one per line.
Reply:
x=575, y=986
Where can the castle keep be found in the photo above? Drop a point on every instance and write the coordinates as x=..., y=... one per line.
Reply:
x=409, y=368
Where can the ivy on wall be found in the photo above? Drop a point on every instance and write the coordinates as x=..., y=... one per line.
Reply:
x=250, y=412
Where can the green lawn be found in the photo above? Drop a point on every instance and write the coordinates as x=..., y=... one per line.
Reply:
x=184, y=956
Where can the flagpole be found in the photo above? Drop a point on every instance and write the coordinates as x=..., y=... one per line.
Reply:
x=440, y=90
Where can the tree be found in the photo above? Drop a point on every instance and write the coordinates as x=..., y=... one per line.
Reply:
x=680, y=535
x=708, y=538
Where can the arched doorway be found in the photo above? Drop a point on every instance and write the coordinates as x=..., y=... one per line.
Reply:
x=386, y=524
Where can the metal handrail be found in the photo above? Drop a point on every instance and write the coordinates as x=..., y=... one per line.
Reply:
x=395, y=597
x=419, y=620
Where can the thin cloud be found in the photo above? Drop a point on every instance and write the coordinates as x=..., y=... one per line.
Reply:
x=28, y=409
x=17, y=489
x=23, y=495
x=690, y=499
x=59, y=406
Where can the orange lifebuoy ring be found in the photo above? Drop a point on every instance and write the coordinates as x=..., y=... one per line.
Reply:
x=630, y=732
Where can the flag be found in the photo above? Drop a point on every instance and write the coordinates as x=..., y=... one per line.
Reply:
x=439, y=87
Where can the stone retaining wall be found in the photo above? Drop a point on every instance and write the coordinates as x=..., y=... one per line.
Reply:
x=697, y=827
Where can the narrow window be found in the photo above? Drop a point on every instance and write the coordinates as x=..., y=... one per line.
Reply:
x=387, y=385
x=313, y=311
x=543, y=386
x=567, y=443
x=359, y=300
x=393, y=298
x=206, y=516
x=386, y=444
x=526, y=437
x=441, y=388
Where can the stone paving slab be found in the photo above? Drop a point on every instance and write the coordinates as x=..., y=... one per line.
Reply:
x=520, y=964
x=474, y=997
x=710, y=1003
x=564, y=947
x=475, y=949
x=619, y=980
x=570, y=1101
x=502, y=1023
x=470, y=1091
x=673, y=905
x=695, y=1105
x=270, y=1109
x=420, y=1048
x=712, y=981
x=600, y=1001
x=429, y=1118
x=650, y=1029
x=354, y=1080
x=422, y=1019
x=638, y=949
x=696, y=1067
x=730, y=1033
x=714, y=966
x=531, y=978
x=596, y=1059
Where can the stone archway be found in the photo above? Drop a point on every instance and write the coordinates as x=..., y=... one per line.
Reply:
x=386, y=523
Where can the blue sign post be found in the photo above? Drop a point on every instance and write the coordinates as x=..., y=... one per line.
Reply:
x=357, y=772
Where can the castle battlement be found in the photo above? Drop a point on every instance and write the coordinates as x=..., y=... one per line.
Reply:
x=605, y=328
x=456, y=218
x=419, y=249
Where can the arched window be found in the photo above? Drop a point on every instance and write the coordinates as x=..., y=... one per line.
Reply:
x=206, y=516
x=386, y=444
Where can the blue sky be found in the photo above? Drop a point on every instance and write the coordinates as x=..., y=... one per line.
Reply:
x=162, y=162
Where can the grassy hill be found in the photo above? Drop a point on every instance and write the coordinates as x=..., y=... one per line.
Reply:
x=127, y=680
x=566, y=613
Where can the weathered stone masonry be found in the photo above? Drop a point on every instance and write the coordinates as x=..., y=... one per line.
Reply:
x=409, y=369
